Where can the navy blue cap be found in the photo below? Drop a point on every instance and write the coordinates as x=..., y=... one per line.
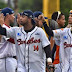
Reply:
x=29, y=13
x=37, y=13
x=6, y=11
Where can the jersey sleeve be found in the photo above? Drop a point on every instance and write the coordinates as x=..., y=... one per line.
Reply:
x=10, y=32
x=44, y=39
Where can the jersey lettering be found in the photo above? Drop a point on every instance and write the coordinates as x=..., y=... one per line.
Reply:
x=29, y=41
x=67, y=45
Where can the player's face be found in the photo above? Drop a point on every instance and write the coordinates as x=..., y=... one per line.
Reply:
x=18, y=21
x=61, y=21
x=70, y=19
x=23, y=20
x=11, y=18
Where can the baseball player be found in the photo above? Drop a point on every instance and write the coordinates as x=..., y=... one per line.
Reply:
x=70, y=19
x=61, y=22
x=65, y=48
x=64, y=37
x=59, y=17
x=40, y=20
x=8, y=63
x=31, y=43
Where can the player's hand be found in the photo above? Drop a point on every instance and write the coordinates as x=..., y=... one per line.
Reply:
x=40, y=20
x=41, y=17
x=49, y=63
x=1, y=19
x=18, y=18
x=50, y=67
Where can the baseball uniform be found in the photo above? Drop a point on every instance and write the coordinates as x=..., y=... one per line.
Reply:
x=7, y=51
x=65, y=37
x=30, y=53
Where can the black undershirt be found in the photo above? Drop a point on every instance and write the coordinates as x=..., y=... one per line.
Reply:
x=47, y=50
x=2, y=31
x=30, y=29
x=48, y=29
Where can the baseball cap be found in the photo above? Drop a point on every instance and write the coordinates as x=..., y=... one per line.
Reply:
x=6, y=11
x=37, y=13
x=70, y=11
x=29, y=13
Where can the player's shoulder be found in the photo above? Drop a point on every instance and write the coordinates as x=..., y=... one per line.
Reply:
x=40, y=29
x=5, y=26
x=15, y=29
x=62, y=29
x=66, y=29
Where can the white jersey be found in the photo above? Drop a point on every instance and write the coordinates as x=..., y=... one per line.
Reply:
x=65, y=37
x=30, y=52
x=6, y=48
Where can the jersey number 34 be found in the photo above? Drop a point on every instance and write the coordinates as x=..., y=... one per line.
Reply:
x=36, y=48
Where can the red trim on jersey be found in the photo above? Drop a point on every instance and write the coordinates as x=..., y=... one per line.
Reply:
x=7, y=25
x=10, y=40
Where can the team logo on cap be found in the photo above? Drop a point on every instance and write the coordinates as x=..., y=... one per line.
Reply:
x=26, y=14
x=31, y=16
x=12, y=11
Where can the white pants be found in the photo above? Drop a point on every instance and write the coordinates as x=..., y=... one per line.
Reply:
x=70, y=68
x=57, y=68
x=8, y=64
x=20, y=68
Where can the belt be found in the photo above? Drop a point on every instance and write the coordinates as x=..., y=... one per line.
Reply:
x=9, y=56
x=15, y=57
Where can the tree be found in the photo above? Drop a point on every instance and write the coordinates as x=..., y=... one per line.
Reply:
x=2, y=5
x=9, y=3
x=30, y=4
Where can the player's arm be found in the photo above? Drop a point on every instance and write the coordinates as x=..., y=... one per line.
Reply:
x=2, y=31
x=48, y=29
x=53, y=33
x=47, y=50
x=46, y=44
x=9, y=33
x=44, y=24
